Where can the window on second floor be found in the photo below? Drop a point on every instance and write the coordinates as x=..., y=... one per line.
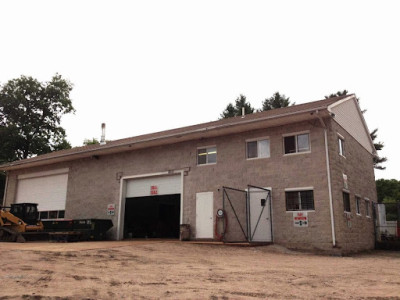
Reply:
x=207, y=155
x=257, y=149
x=297, y=143
x=341, y=146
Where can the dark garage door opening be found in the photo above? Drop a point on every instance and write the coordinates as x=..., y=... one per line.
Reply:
x=152, y=217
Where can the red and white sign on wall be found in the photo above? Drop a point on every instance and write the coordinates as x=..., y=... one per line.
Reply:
x=111, y=210
x=154, y=190
x=300, y=219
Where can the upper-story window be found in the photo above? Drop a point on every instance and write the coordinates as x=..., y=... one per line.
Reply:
x=342, y=151
x=297, y=143
x=207, y=155
x=257, y=148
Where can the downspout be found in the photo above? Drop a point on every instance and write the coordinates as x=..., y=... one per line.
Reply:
x=328, y=174
x=5, y=190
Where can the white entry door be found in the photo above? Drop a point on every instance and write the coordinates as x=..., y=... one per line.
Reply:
x=260, y=215
x=204, y=215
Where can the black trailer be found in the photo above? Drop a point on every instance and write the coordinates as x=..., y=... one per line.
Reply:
x=77, y=230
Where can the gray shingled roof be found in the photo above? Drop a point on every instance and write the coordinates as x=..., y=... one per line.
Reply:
x=235, y=121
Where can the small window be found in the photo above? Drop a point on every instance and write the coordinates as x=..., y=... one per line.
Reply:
x=346, y=202
x=358, y=202
x=53, y=214
x=341, y=147
x=299, y=200
x=207, y=155
x=367, y=211
x=44, y=215
x=297, y=143
x=258, y=149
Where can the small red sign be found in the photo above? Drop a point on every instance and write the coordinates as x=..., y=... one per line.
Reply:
x=154, y=190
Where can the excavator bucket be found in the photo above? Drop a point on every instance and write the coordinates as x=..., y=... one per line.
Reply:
x=8, y=235
x=20, y=239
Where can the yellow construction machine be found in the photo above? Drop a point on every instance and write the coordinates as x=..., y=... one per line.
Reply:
x=19, y=221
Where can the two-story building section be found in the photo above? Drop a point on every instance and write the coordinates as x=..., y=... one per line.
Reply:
x=300, y=176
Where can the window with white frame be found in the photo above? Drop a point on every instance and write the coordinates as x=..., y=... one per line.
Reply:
x=367, y=210
x=346, y=202
x=341, y=146
x=358, y=204
x=207, y=155
x=299, y=200
x=296, y=143
x=257, y=148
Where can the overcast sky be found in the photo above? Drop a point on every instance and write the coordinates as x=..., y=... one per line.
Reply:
x=146, y=66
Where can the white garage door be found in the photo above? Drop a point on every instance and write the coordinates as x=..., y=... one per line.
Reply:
x=47, y=189
x=151, y=186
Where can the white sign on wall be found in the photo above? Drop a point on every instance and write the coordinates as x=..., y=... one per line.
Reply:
x=111, y=210
x=345, y=183
x=300, y=219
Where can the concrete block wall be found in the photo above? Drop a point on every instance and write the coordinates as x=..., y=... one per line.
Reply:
x=93, y=183
x=357, y=233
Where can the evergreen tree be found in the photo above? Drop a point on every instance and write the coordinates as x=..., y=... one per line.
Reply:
x=236, y=110
x=276, y=101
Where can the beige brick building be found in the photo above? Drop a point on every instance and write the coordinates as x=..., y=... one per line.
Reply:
x=314, y=161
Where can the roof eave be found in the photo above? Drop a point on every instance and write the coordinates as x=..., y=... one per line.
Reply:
x=204, y=132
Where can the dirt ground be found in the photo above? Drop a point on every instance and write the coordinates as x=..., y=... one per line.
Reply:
x=182, y=270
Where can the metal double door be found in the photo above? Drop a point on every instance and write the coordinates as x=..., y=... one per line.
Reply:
x=249, y=214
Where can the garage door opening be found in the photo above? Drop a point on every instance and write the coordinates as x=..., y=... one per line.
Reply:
x=152, y=216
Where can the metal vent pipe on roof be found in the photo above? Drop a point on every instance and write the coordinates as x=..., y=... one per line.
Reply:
x=243, y=112
x=103, y=134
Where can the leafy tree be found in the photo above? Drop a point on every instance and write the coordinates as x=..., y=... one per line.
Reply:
x=378, y=160
x=388, y=189
x=236, y=110
x=276, y=101
x=92, y=141
x=30, y=116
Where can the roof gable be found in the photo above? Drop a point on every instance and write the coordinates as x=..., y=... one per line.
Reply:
x=347, y=114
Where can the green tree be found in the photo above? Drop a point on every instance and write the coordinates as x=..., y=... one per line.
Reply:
x=338, y=94
x=276, y=101
x=388, y=189
x=236, y=109
x=30, y=116
x=378, y=160
x=92, y=141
